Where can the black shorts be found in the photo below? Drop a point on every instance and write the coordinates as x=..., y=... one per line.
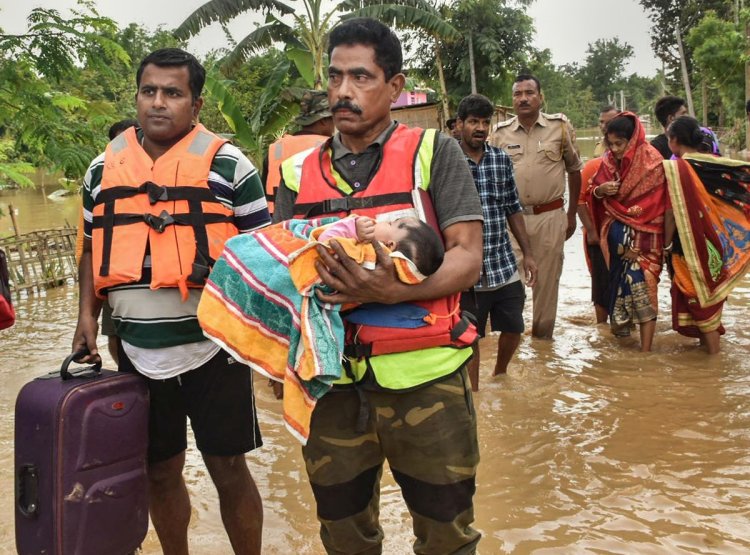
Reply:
x=504, y=306
x=108, y=326
x=599, y=276
x=217, y=397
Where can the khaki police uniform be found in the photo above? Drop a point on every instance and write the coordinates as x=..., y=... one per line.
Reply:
x=541, y=158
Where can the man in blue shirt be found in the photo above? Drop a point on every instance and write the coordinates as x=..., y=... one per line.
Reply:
x=499, y=293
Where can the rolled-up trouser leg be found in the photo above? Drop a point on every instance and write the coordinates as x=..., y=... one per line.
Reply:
x=344, y=468
x=430, y=440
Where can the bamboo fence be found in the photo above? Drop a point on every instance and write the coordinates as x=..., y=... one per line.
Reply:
x=41, y=259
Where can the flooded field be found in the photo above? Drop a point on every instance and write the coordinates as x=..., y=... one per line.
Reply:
x=587, y=445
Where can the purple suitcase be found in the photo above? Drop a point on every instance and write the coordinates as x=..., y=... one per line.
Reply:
x=80, y=463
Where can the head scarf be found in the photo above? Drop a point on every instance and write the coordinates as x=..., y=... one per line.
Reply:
x=641, y=199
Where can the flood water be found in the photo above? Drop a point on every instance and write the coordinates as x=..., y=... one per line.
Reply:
x=587, y=445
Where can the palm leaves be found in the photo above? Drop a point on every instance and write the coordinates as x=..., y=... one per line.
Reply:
x=305, y=45
x=404, y=14
x=223, y=11
x=272, y=112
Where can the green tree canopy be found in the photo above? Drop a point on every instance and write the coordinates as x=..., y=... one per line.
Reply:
x=502, y=37
x=47, y=121
x=604, y=68
x=306, y=38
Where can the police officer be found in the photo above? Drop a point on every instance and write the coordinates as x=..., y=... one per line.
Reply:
x=543, y=150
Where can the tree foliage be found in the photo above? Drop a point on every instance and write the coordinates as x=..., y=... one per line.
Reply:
x=63, y=82
x=562, y=89
x=719, y=49
x=604, y=68
x=256, y=107
x=48, y=121
x=308, y=32
x=502, y=37
x=719, y=55
x=672, y=16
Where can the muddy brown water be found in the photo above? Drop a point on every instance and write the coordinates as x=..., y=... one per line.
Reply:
x=587, y=445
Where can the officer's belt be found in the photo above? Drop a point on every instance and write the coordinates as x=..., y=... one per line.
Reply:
x=546, y=207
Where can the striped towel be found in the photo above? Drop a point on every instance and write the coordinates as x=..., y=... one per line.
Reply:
x=260, y=305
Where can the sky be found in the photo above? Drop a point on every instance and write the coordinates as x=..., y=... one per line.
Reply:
x=566, y=27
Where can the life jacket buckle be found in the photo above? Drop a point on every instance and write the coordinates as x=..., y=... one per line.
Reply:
x=156, y=193
x=200, y=274
x=160, y=222
x=336, y=205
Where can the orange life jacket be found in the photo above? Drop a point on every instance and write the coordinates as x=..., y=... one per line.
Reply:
x=393, y=188
x=163, y=205
x=279, y=151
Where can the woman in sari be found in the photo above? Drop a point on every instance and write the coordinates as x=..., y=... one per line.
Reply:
x=627, y=196
x=707, y=231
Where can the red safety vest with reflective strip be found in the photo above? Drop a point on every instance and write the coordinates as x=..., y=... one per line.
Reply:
x=280, y=150
x=320, y=194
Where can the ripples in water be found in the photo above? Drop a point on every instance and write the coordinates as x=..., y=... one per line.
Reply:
x=587, y=445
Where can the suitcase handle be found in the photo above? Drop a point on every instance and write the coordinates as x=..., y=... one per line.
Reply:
x=65, y=375
x=27, y=490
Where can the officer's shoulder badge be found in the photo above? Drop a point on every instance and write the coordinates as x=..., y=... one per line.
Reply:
x=557, y=116
x=505, y=123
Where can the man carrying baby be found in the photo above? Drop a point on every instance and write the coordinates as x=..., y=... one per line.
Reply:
x=411, y=404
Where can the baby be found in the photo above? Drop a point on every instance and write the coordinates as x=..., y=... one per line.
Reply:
x=411, y=237
x=260, y=304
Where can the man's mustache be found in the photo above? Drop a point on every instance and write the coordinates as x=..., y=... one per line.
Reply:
x=346, y=105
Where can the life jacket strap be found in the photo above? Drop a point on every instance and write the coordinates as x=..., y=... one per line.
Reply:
x=363, y=414
x=196, y=219
x=156, y=193
x=347, y=204
x=202, y=263
x=358, y=350
x=159, y=223
x=460, y=328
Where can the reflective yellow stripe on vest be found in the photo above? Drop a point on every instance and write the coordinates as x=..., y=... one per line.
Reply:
x=291, y=169
x=399, y=371
x=423, y=165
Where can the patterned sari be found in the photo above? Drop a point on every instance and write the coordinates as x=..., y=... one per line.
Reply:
x=632, y=219
x=710, y=198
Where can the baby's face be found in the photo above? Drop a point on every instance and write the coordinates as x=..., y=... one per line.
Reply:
x=390, y=233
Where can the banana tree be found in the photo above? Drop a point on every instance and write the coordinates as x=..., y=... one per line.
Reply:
x=413, y=14
x=311, y=25
x=304, y=40
x=271, y=115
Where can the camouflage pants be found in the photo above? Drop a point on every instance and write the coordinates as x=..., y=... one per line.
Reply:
x=428, y=437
